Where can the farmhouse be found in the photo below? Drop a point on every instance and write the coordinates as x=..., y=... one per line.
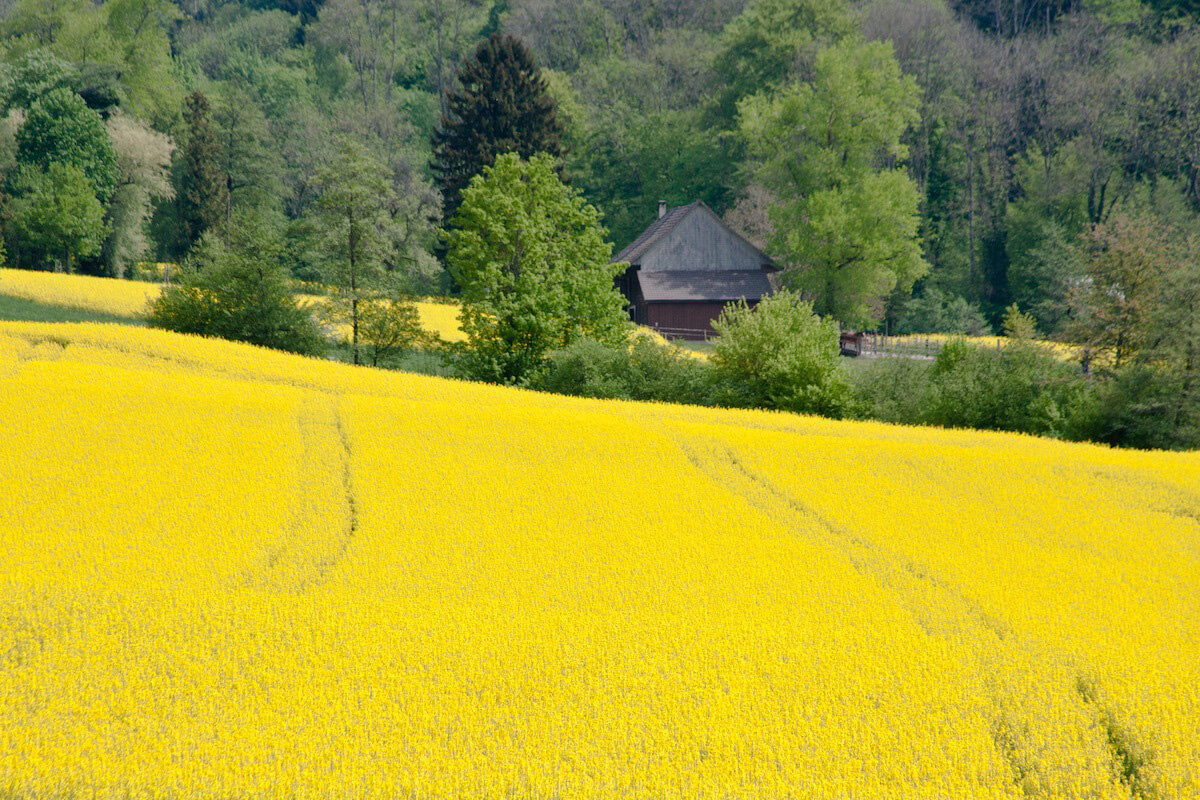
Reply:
x=686, y=267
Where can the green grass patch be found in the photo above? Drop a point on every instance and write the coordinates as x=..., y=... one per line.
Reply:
x=17, y=309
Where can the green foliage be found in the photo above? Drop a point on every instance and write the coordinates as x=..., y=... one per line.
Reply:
x=37, y=73
x=58, y=216
x=779, y=354
x=532, y=262
x=351, y=215
x=1043, y=225
x=846, y=222
x=500, y=105
x=240, y=293
x=1017, y=324
x=201, y=194
x=770, y=40
x=391, y=325
x=61, y=129
x=640, y=370
x=1020, y=387
x=937, y=312
x=247, y=157
x=1126, y=259
x=670, y=155
x=895, y=390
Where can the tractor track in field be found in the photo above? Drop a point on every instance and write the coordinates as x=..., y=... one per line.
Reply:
x=290, y=563
x=941, y=611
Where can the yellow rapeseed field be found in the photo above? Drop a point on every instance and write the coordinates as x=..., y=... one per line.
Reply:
x=105, y=295
x=129, y=298
x=228, y=572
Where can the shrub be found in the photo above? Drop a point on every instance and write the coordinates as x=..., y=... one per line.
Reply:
x=1021, y=387
x=644, y=370
x=779, y=354
x=890, y=390
x=241, y=293
x=1141, y=406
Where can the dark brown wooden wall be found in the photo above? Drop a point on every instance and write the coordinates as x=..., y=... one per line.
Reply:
x=683, y=320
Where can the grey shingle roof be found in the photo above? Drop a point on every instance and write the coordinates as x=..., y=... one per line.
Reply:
x=703, y=285
x=658, y=229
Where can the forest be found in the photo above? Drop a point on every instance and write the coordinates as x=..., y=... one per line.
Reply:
x=915, y=165
x=1017, y=126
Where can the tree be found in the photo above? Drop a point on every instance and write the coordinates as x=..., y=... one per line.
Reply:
x=143, y=163
x=240, y=293
x=779, y=354
x=936, y=312
x=389, y=325
x=142, y=54
x=533, y=264
x=354, y=221
x=246, y=156
x=202, y=185
x=59, y=215
x=846, y=222
x=501, y=105
x=1125, y=260
x=1017, y=324
x=770, y=41
x=37, y=73
x=61, y=129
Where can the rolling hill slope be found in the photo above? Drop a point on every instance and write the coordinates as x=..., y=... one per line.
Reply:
x=230, y=572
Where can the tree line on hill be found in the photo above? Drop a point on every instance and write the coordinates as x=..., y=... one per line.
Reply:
x=915, y=165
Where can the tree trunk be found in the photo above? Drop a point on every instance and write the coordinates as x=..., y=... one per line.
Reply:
x=353, y=246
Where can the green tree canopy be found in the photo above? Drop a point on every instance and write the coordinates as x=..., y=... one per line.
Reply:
x=533, y=264
x=59, y=216
x=779, y=354
x=202, y=189
x=846, y=221
x=240, y=292
x=500, y=105
x=61, y=129
x=352, y=214
x=771, y=40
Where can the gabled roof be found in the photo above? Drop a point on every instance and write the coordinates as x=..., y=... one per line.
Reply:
x=700, y=286
x=658, y=229
x=668, y=222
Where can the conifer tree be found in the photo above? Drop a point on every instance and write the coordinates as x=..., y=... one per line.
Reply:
x=201, y=183
x=500, y=105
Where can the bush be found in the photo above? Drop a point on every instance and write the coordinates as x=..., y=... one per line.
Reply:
x=1139, y=406
x=241, y=294
x=779, y=354
x=644, y=370
x=1022, y=387
x=891, y=390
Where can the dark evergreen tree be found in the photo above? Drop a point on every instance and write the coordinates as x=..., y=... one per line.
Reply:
x=500, y=105
x=201, y=182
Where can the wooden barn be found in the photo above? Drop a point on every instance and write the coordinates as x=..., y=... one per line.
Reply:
x=686, y=267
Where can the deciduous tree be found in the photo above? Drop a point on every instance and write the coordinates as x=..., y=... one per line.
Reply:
x=533, y=264
x=352, y=210
x=143, y=164
x=59, y=216
x=61, y=129
x=846, y=221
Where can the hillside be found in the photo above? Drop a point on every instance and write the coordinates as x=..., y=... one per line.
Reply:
x=123, y=300
x=231, y=572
